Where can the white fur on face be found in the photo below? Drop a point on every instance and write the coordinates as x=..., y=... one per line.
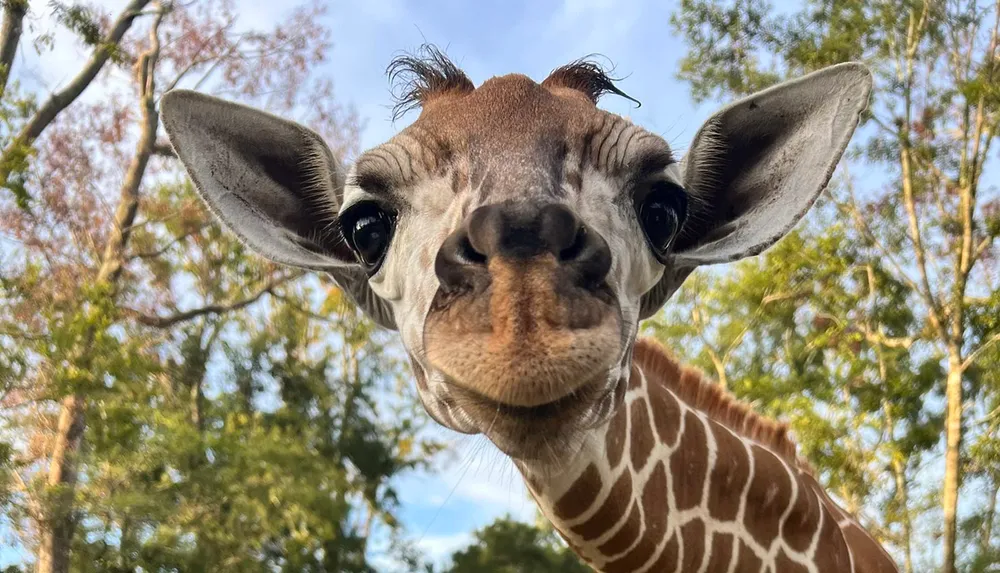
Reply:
x=430, y=210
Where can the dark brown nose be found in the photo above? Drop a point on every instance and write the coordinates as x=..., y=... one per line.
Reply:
x=520, y=232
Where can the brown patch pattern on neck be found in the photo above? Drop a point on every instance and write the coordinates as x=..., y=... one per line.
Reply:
x=628, y=525
x=714, y=401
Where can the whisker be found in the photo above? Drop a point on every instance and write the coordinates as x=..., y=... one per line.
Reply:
x=467, y=463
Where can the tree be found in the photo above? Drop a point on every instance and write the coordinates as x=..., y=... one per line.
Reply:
x=171, y=401
x=923, y=221
x=509, y=546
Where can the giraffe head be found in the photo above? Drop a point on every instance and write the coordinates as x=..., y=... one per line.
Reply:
x=515, y=234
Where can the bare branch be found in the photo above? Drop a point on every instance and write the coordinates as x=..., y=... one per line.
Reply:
x=935, y=170
x=986, y=345
x=212, y=309
x=128, y=205
x=34, y=508
x=197, y=60
x=163, y=149
x=981, y=248
x=851, y=208
x=877, y=338
x=919, y=250
x=176, y=240
x=218, y=61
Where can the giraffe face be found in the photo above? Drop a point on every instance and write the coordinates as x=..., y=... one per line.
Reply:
x=518, y=259
x=515, y=234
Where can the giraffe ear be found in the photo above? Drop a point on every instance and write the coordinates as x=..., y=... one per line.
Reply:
x=758, y=165
x=272, y=182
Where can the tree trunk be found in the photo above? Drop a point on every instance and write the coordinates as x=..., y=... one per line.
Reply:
x=904, y=501
x=952, y=467
x=57, y=529
x=720, y=369
x=10, y=37
x=898, y=470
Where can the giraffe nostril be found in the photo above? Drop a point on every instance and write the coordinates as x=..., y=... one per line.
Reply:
x=466, y=251
x=589, y=257
x=573, y=251
x=520, y=233
x=459, y=264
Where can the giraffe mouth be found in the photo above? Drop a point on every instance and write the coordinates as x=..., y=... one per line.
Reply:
x=541, y=431
x=470, y=399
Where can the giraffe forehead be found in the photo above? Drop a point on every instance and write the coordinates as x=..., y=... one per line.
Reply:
x=507, y=138
x=510, y=110
x=510, y=136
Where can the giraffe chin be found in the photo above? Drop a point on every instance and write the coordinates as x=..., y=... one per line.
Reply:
x=532, y=400
x=550, y=433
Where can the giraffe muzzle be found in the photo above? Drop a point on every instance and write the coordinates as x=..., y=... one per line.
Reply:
x=524, y=316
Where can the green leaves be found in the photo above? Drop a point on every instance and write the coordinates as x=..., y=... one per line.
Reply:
x=726, y=46
x=15, y=109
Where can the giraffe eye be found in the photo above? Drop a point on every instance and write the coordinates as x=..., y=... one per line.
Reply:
x=368, y=228
x=661, y=210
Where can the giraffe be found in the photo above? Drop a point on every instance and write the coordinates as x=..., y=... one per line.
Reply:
x=515, y=235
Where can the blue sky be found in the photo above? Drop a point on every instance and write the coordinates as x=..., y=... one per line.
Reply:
x=485, y=38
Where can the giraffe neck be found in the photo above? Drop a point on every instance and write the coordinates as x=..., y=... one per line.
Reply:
x=684, y=478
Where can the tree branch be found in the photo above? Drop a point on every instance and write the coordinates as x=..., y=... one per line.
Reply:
x=176, y=240
x=919, y=250
x=971, y=358
x=876, y=337
x=34, y=508
x=57, y=102
x=862, y=225
x=128, y=204
x=211, y=309
x=913, y=37
x=981, y=248
x=10, y=37
x=294, y=305
x=196, y=60
x=163, y=149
